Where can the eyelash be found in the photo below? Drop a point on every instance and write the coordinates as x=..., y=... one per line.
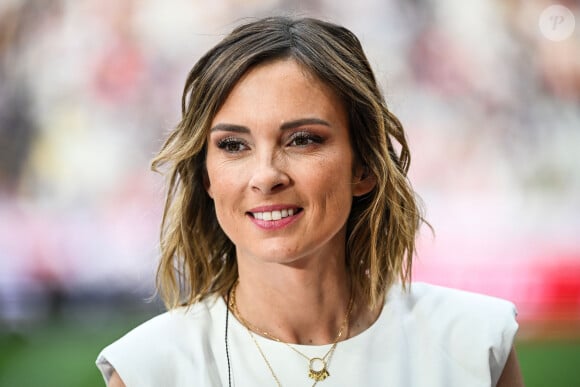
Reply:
x=227, y=144
x=309, y=137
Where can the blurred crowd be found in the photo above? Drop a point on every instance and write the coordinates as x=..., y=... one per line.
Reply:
x=89, y=87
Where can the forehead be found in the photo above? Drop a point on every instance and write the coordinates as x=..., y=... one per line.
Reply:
x=282, y=86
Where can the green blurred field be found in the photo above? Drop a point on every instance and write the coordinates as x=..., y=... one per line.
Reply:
x=56, y=354
x=63, y=353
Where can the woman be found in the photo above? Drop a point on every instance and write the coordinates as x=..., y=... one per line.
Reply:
x=289, y=230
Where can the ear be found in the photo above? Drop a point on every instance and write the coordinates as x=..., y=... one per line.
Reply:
x=363, y=181
x=207, y=184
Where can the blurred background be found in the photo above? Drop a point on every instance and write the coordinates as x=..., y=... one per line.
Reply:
x=88, y=88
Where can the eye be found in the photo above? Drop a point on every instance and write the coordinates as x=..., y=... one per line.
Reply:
x=232, y=145
x=302, y=139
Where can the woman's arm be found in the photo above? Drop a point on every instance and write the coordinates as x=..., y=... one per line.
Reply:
x=511, y=375
x=115, y=381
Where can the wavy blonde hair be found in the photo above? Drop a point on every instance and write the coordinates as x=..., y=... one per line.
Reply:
x=197, y=258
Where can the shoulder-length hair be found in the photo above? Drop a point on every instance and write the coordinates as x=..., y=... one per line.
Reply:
x=197, y=258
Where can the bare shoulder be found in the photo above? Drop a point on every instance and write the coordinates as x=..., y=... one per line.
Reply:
x=511, y=375
x=115, y=381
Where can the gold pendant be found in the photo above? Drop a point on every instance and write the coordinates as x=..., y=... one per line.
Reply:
x=317, y=369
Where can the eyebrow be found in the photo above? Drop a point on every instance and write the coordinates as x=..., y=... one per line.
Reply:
x=302, y=122
x=285, y=126
x=230, y=128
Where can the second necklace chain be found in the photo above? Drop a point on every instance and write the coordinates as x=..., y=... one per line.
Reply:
x=317, y=366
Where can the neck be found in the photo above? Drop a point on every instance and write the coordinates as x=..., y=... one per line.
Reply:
x=293, y=304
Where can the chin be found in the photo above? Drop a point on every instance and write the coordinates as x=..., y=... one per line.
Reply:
x=277, y=254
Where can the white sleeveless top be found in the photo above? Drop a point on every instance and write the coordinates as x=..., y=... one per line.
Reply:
x=428, y=336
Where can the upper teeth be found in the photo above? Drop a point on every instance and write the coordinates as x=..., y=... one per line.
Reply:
x=273, y=215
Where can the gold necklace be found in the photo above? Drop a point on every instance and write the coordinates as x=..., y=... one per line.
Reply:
x=317, y=366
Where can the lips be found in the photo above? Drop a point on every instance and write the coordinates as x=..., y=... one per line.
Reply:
x=272, y=215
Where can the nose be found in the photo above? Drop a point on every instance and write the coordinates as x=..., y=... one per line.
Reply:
x=269, y=174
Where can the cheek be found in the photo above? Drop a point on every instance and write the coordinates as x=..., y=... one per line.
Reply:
x=225, y=204
x=226, y=189
x=333, y=179
x=221, y=191
x=214, y=186
x=219, y=179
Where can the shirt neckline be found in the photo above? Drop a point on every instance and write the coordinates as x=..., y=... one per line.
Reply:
x=351, y=341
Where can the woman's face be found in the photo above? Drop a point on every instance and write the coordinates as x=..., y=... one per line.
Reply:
x=280, y=166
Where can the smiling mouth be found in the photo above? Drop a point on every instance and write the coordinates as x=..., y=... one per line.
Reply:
x=275, y=215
